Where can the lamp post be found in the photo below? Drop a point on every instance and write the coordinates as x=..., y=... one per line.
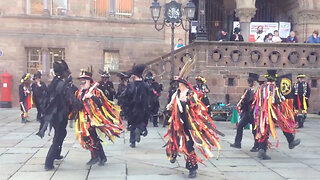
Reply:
x=172, y=18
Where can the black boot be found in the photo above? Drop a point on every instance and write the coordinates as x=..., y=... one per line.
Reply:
x=103, y=157
x=155, y=120
x=137, y=134
x=48, y=167
x=294, y=143
x=192, y=165
x=236, y=145
x=51, y=155
x=173, y=158
x=132, y=145
x=192, y=173
x=254, y=149
x=263, y=155
x=94, y=158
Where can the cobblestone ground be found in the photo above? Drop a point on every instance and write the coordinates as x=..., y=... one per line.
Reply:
x=22, y=156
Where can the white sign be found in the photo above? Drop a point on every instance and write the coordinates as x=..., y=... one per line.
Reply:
x=268, y=27
x=5, y=85
x=194, y=25
x=236, y=24
x=284, y=29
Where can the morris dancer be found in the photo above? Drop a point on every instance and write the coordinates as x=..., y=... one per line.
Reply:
x=269, y=108
x=246, y=115
x=301, y=99
x=25, y=97
x=98, y=118
x=189, y=125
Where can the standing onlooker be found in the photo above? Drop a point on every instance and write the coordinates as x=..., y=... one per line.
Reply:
x=222, y=36
x=25, y=97
x=314, y=37
x=179, y=45
x=292, y=38
x=236, y=36
x=276, y=38
x=40, y=92
x=259, y=36
x=268, y=38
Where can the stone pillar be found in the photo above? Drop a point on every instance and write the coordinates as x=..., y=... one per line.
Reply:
x=46, y=63
x=45, y=8
x=245, y=15
x=202, y=29
x=112, y=11
x=246, y=10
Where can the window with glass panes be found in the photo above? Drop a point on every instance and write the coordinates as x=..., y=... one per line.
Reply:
x=59, y=7
x=34, y=60
x=35, y=7
x=111, y=60
x=56, y=54
x=121, y=7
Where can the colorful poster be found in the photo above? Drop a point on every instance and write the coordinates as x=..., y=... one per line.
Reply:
x=268, y=27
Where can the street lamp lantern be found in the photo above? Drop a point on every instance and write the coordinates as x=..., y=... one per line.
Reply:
x=190, y=10
x=172, y=18
x=155, y=9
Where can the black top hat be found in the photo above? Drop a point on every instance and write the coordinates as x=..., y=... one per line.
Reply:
x=59, y=67
x=271, y=74
x=37, y=75
x=25, y=77
x=149, y=76
x=84, y=74
x=124, y=75
x=301, y=75
x=138, y=70
x=253, y=76
x=105, y=74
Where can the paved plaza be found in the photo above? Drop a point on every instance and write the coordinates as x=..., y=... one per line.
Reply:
x=22, y=156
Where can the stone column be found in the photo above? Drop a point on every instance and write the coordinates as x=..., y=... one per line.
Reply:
x=112, y=11
x=245, y=15
x=46, y=63
x=45, y=8
x=202, y=29
x=246, y=10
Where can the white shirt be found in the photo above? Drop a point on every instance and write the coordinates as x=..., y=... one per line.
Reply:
x=259, y=37
x=276, y=39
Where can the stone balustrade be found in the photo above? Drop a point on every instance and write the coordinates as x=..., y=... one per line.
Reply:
x=226, y=65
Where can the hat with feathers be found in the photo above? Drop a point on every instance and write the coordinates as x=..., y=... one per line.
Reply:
x=86, y=73
x=183, y=75
x=301, y=75
x=25, y=77
x=271, y=74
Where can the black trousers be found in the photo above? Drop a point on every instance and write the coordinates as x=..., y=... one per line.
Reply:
x=245, y=120
x=264, y=145
x=60, y=133
x=95, y=144
x=141, y=127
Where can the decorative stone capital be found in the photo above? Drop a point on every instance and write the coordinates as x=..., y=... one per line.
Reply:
x=245, y=14
x=303, y=17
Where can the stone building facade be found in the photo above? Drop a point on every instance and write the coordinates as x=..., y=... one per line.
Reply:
x=111, y=34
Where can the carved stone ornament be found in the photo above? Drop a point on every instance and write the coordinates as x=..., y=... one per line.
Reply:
x=245, y=14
